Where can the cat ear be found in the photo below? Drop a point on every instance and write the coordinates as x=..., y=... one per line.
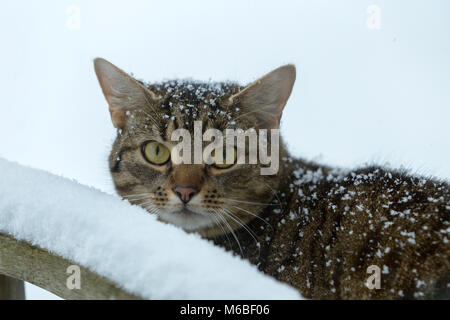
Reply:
x=266, y=97
x=122, y=92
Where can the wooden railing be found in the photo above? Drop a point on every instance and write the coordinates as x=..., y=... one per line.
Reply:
x=21, y=261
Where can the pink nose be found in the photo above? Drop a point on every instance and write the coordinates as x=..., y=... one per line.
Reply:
x=185, y=193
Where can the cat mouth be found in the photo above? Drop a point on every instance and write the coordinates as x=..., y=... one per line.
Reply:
x=187, y=212
x=187, y=219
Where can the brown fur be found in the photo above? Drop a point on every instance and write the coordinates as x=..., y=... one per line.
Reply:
x=314, y=227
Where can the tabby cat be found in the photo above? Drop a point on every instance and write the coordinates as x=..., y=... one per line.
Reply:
x=370, y=233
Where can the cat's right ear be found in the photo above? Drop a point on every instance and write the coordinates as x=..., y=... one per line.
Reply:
x=122, y=92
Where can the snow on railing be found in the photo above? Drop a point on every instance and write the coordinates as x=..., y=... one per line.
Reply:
x=49, y=223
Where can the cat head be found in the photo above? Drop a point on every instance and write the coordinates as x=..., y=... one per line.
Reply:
x=211, y=198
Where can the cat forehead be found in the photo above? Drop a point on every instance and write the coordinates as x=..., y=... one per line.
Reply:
x=194, y=92
x=191, y=98
x=182, y=102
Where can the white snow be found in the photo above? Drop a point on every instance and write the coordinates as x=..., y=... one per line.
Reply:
x=123, y=242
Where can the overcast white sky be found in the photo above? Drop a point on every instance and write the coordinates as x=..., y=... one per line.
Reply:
x=362, y=94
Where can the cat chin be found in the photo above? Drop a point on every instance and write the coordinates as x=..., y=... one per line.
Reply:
x=187, y=220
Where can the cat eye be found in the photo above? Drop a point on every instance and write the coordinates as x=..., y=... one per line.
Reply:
x=224, y=164
x=155, y=152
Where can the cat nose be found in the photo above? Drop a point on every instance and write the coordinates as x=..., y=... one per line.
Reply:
x=185, y=193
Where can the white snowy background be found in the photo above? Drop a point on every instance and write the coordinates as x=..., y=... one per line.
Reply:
x=362, y=95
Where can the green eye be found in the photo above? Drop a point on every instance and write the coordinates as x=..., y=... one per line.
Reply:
x=224, y=165
x=155, y=152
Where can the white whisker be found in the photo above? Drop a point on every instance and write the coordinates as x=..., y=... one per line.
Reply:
x=275, y=194
x=216, y=220
x=254, y=215
x=251, y=202
x=232, y=232
x=250, y=232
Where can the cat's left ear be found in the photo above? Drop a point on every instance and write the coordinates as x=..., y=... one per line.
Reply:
x=266, y=97
x=122, y=92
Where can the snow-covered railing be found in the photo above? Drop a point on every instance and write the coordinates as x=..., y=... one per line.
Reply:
x=50, y=226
